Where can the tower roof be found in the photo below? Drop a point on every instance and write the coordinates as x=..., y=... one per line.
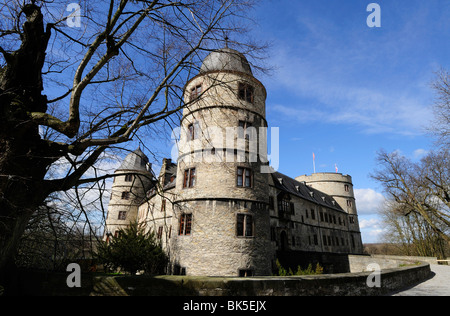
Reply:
x=226, y=59
x=136, y=161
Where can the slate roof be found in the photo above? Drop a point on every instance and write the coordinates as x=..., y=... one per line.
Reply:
x=226, y=59
x=300, y=189
x=136, y=161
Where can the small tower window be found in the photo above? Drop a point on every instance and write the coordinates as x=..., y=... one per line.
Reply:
x=195, y=92
x=346, y=188
x=122, y=215
x=160, y=232
x=128, y=178
x=189, y=178
x=244, y=177
x=185, y=224
x=193, y=131
x=244, y=129
x=125, y=195
x=244, y=226
x=246, y=92
x=243, y=273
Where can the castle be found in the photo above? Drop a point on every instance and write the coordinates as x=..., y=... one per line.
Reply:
x=217, y=211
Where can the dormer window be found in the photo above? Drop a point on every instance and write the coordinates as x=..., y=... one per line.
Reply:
x=246, y=92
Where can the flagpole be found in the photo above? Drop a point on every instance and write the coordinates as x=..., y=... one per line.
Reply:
x=314, y=162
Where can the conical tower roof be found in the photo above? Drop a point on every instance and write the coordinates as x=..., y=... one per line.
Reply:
x=136, y=161
x=226, y=59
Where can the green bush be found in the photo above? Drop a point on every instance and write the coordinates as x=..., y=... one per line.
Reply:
x=133, y=250
x=308, y=271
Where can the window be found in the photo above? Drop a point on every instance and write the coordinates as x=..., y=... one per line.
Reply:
x=244, y=227
x=271, y=203
x=195, y=92
x=191, y=131
x=122, y=215
x=292, y=208
x=346, y=187
x=185, y=224
x=246, y=92
x=163, y=206
x=128, y=178
x=244, y=129
x=313, y=214
x=285, y=207
x=273, y=234
x=245, y=273
x=244, y=177
x=160, y=232
x=189, y=178
x=349, y=203
x=316, y=241
x=125, y=195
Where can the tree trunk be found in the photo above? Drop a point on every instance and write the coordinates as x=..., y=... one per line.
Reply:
x=24, y=156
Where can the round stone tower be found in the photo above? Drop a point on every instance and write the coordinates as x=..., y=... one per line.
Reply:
x=133, y=179
x=337, y=185
x=340, y=187
x=221, y=212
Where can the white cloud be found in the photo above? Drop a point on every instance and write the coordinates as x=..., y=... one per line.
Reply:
x=372, y=228
x=419, y=153
x=368, y=201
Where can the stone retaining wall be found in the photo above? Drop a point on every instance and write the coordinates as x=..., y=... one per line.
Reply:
x=343, y=284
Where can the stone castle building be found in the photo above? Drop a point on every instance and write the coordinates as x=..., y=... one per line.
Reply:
x=217, y=210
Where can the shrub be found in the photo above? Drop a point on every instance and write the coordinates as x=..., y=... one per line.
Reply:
x=133, y=250
x=308, y=271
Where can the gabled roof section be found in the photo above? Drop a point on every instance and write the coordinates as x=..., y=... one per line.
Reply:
x=300, y=189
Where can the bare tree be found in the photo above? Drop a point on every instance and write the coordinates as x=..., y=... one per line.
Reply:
x=441, y=125
x=418, y=190
x=409, y=234
x=91, y=87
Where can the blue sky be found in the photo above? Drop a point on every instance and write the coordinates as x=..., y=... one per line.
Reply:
x=344, y=91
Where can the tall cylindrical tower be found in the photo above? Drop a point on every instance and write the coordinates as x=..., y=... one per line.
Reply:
x=131, y=182
x=221, y=212
x=340, y=187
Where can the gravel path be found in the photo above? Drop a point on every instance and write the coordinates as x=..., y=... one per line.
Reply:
x=437, y=285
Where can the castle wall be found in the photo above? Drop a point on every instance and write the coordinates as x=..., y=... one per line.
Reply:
x=340, y=187
x=213, y=247
x=311, y=227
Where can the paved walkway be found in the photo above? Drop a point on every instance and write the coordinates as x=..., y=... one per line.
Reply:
x=437, y=285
